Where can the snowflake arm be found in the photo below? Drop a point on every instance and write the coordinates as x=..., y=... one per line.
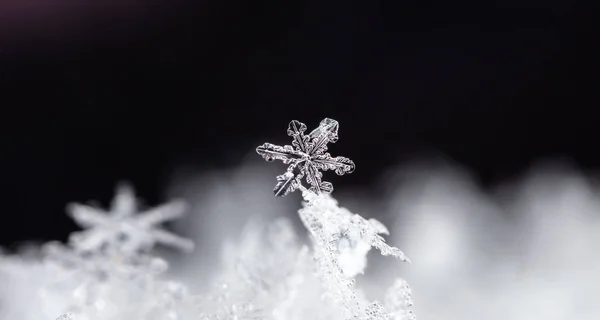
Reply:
x=163, y=213
x=313, y=177
x=341, y=165
x=271, y=152
x=86, y=216
x=325, y=133
x=296, y=130
x=170, y=239
x=124, y=203
x=289, y=181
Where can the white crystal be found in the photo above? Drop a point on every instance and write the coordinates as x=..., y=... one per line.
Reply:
x=307, y=157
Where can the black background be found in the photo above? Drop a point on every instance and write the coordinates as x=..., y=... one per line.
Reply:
x=91, y=94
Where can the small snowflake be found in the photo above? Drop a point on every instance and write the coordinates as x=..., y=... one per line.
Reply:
x=123, y=228
x=307, y=156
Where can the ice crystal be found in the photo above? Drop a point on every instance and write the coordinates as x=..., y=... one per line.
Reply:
x=341, y=242
x=123, y=228
x=307, y=157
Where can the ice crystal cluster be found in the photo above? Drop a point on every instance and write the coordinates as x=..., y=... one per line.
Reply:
x=109, y=269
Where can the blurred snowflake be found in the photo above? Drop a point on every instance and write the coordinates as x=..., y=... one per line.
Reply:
x=122, y=228
x=107, y=271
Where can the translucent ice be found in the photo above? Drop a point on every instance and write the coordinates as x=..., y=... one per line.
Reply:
x=306, y=157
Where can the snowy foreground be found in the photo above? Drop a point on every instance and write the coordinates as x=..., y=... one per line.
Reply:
x=525, y=249
x=107, y=271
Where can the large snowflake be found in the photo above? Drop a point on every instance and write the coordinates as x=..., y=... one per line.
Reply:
x=307, y=157
x=123, y=228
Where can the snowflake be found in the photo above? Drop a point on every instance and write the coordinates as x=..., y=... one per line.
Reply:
x=120, y=228
x=307, y=156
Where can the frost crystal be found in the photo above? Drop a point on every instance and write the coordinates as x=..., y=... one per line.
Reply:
x=398, y=299
x=341, y=242
x=122, y=229
x=307, y=156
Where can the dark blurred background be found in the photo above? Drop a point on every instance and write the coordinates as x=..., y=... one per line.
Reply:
x=93, y=94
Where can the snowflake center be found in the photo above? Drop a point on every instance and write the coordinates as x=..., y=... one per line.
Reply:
x=305, y=157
